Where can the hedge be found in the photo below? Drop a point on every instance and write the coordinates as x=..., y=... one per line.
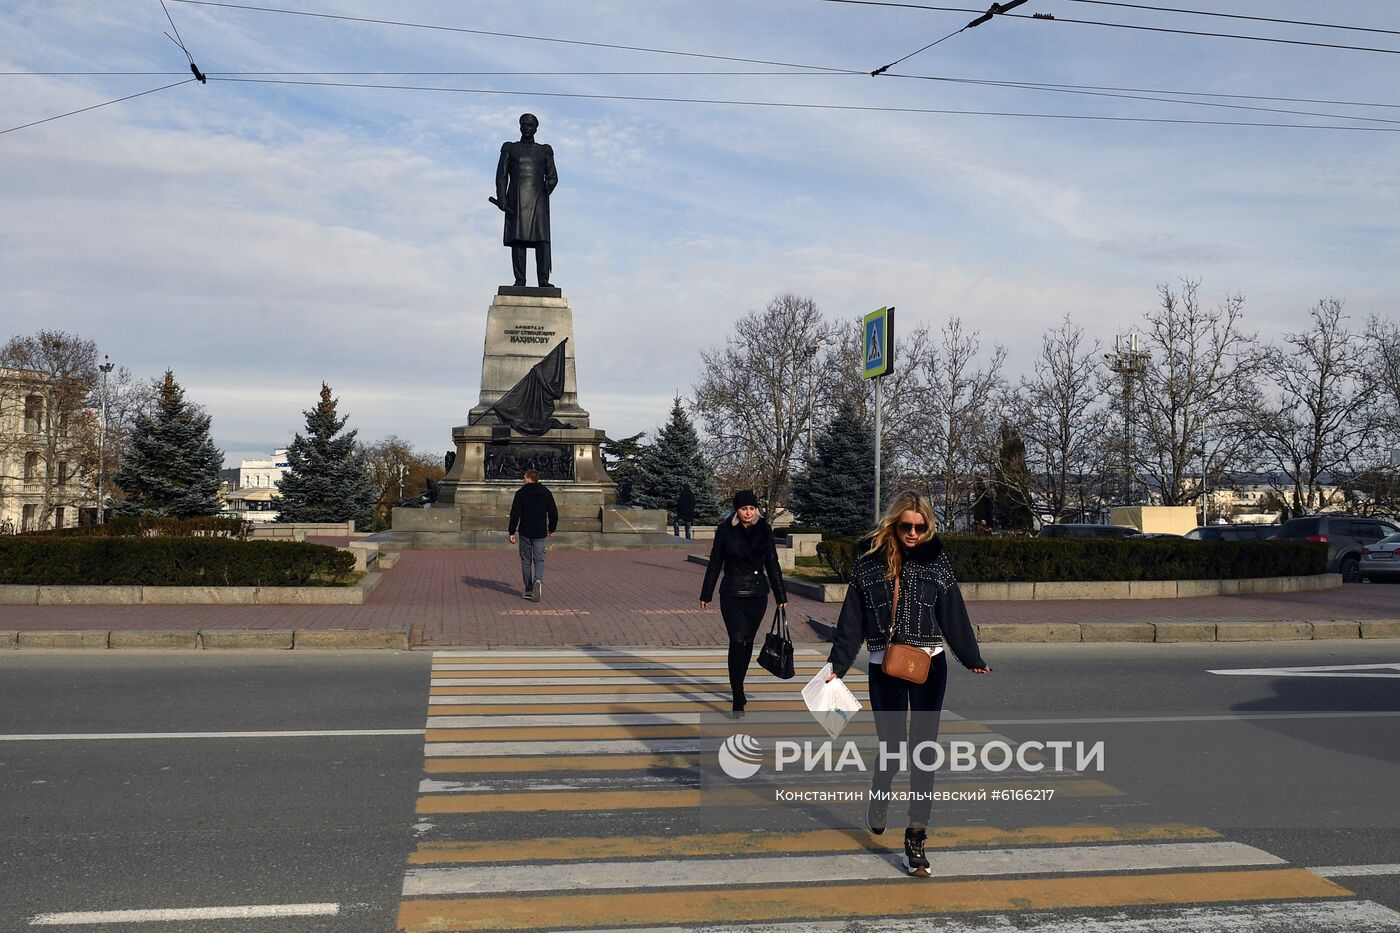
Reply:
x=131, y=526
x=170, y=561
x=1037, y=560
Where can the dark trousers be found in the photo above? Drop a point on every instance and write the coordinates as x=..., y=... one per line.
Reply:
x=906, y=712
x=542, y=257
x=676, y=524
x=742, y=617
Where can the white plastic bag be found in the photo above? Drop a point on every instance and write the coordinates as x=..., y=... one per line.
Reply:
x=832, y=703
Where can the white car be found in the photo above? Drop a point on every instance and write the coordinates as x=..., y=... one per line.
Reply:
x=1381, y=561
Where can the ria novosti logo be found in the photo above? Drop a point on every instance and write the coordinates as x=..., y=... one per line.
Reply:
x=741, y=756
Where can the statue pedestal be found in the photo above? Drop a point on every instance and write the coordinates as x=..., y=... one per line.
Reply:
x=521, y=329
x=473, y=505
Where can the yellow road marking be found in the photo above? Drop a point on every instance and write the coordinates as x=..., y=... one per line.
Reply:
x=660, y=706
x=694, y=798
x=536, y=763
x=901, y=897
x=772, y=843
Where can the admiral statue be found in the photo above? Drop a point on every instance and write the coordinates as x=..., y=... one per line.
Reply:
x=525, y=177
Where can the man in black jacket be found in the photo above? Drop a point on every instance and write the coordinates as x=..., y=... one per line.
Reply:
x=534, y=515
x=685, y=511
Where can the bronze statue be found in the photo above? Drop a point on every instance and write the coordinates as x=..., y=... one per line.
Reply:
x=525, y=177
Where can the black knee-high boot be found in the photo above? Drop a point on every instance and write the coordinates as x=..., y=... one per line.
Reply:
x=740, y=654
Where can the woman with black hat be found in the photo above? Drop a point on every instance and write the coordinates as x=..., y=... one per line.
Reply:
x=745, y=550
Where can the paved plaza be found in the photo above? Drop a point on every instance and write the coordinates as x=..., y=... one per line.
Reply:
x=632, y=598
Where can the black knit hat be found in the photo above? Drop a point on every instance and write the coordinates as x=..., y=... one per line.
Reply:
x=745, y=497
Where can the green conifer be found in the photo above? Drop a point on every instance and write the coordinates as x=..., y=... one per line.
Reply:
x=327, y=478
x=672, y=461
x=172, y=466
x=837, y=489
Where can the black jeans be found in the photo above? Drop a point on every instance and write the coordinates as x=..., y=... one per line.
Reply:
x=742, y=617
x=908, y=712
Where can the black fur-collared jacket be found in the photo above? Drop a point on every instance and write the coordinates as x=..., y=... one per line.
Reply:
x=931, y=609
x=749, y=558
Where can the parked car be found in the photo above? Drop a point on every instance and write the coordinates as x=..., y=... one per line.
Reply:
x=1344, y=535
x=1068, y=530
x=1381, y=561
x=1232, y=532
x=1149, y=535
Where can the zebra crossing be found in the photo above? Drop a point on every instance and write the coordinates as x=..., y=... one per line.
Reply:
x=574, y=789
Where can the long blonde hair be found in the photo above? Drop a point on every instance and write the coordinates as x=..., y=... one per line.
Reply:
x=886, y=535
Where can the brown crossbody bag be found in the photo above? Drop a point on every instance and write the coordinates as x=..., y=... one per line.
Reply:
x=907, y=662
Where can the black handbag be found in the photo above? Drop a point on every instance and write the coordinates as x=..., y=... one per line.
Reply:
x=776, y=656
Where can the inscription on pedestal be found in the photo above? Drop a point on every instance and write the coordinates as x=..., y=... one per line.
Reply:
x=529, y=333
x=553, y=461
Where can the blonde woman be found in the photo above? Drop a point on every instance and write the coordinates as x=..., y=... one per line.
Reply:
x=930, y=614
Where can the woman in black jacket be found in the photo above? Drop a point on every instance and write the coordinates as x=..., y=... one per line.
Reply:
x=745, y=550
x=929, y=614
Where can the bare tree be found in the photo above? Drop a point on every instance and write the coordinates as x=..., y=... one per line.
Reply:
x=1318, y=423
x=902, y=392
x=397, y=471
x=757, y=393
x=46, y=451
x=954, y=421
x=1064, y=420
x=1194, y=403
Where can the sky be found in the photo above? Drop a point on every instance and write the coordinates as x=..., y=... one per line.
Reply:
x=258, y=239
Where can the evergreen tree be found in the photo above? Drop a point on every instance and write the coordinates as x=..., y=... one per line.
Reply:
x=673, y=461
x=622, y=458
x=172, y=466
x=327, y=479
x=836, y=491
x=1010, y=489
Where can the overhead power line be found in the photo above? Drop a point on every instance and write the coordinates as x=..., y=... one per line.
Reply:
x=1256, y=19
x=105, y=103
x=511, y=35
x=1093, y=22
x=797, y=105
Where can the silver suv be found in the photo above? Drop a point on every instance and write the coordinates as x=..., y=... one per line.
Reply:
x=1344, y=535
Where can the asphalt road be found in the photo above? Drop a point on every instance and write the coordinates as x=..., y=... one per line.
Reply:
x=1305, y=767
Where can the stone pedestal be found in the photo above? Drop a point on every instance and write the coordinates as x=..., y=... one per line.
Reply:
x=521, y=329
x=522, y=326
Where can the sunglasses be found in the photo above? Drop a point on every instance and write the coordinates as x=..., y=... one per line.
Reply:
x=907, y=527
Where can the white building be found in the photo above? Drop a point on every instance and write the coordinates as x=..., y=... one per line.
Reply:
x=40, y=486
x=263, y=473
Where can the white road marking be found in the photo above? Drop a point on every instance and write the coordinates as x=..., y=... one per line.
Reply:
x=633, y=680
x=251, y=912
x=1356, y=871
x=1327, y=670
x=677, y=696
x=640, y=654
x=827, y=869
x=505, y=721
x=526, y=664
x=493, y=749
x=1304, y=917
x=1223, y=717
x=143, y=736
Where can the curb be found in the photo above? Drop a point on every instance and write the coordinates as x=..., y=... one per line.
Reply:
x=214, y=639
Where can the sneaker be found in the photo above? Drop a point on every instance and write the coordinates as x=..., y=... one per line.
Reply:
x=539, y=584
x=527, y=595
x=914, y=852
x=875, y=814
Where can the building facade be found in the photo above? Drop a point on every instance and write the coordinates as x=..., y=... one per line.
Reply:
x=40, y=482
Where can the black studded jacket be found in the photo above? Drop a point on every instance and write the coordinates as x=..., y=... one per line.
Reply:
x=931, y=609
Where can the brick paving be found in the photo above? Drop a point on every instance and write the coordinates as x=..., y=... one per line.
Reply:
x=472, y=597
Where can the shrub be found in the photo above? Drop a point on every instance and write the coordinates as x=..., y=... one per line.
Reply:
x=981, y=559
x=150, y=526
x=170, y=561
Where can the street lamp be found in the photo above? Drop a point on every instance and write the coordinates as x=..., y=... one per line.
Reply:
x=106, y=368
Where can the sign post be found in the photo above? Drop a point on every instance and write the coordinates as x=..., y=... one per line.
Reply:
x=878, y=341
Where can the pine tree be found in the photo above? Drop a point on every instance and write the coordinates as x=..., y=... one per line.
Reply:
x=673, y=461
x=622, y=458
x=172, y=466
x=327, y=479
x=836, y=491
x=1009, y=493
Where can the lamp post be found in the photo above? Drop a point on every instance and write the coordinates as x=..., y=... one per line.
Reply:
x=106, y=368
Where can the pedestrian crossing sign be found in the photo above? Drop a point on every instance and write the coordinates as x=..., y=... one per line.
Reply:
x=879, y=343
